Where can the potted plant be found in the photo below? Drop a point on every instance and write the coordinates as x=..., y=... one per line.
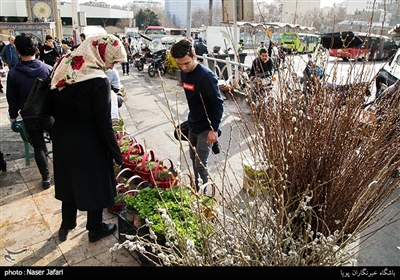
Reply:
x=118, y=126
x=123, y=189
x=210, y=204
x=177, y=201
x=164, y=176
x=141, y=205
x=146, y=167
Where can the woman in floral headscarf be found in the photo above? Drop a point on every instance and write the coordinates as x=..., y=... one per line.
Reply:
x=85, y=149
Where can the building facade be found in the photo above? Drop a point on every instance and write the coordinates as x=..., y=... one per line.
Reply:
x=176, y=11
x=43, y=17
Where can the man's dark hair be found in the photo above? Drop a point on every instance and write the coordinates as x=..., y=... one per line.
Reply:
x=263, y=51
x=182, y=48
x=48, y=37
x=82, y=35
x=26, y=44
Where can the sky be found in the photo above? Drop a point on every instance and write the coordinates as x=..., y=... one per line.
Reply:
x=329, y=3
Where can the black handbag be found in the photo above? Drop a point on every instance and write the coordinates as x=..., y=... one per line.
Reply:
x=182, y=128
x=39, y=102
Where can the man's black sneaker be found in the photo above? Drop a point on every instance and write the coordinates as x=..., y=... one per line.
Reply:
x=46, y=184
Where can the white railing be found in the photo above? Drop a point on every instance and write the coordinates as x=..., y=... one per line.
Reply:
x=223, y=66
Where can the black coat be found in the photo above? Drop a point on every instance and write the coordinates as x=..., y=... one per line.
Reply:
x=84, y=145
x=49, y=55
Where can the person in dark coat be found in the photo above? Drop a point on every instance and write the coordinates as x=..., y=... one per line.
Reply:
x=200, y=48
x=48, y=52
x=2, y=72
x=19, y=83
x=85, y=149
x=9, y=54
x=206, y=108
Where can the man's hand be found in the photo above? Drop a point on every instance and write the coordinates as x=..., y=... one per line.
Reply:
x=212, y=137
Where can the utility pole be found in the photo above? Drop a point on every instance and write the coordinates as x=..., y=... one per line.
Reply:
x=210, y=12
x=189, y=18
x=74, y=15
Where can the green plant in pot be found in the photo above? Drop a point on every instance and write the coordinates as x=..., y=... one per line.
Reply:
x=124, y=145
x=141, y=205
x=176, y=201
x=135, y=157
x=149, y=165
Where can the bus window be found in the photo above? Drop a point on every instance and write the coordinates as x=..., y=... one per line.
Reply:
x=300, y=42
x=155, y=30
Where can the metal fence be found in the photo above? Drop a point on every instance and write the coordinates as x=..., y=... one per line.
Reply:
x=223, y=65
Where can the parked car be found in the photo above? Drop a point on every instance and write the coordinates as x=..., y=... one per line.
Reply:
x=388, y=74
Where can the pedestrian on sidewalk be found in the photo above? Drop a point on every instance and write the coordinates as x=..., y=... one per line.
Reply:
x=125, y=65
x=2, y=70
x=206, y=106
x=19, y=83
x=116, y=99
x=48, y=52
x=85, y=149
x=9, y=53
x=200, y=49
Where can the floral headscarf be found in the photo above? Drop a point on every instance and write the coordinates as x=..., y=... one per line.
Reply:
x=88, y=61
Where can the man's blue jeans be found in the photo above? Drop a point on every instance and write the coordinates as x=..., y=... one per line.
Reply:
x=199, y=155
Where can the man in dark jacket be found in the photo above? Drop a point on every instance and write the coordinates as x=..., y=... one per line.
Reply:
x=19, y=83
x=200, y=49
x=9, y=54
x=262, y=66
x=206, y=107
x=48, y=53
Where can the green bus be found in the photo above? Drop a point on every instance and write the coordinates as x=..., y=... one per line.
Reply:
x=300, y=42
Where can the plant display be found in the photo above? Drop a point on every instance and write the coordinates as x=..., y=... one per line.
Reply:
x=150, y=203
x=326, y=181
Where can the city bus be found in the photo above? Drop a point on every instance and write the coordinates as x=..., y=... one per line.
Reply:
x=310, y=41
x=155, y=31
x=374, y=47
x=299, y=42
